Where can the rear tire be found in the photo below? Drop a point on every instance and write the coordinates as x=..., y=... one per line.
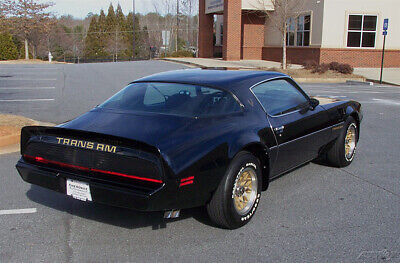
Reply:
x=341, y=154
x=236, y=199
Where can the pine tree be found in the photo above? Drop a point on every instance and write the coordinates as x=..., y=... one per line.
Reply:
x=94, y=46
x=101, y=35
x=128, y=37
x=112, y=36
x=91, y=45
x=120, y=18
x=101, y=23
x=8, y=50
x=111, y=19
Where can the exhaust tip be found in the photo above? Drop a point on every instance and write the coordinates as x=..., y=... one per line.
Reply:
x=171, y=214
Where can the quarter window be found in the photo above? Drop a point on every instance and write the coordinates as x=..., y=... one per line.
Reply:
x=361, y=31
x=279, y=97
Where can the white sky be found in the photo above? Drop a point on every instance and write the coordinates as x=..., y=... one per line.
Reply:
x=80, y=8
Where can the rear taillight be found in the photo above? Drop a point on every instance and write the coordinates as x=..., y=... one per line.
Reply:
x=86, y=169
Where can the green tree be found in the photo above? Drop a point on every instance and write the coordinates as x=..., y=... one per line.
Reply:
x=94, y=47
x=102, y=22
x=8, y=49
x=120, y=18
x=128, y=37
x=111, y=19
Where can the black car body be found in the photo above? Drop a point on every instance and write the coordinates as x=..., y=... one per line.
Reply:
x=152, y=161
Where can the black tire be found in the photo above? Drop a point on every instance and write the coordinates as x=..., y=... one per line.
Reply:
x=336, y=155
x=221, y=209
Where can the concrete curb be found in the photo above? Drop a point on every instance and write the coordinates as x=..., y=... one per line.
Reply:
x=300, y=80
x=328, y=80
x=193, y=65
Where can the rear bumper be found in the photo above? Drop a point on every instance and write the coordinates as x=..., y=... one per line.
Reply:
x=164, y=198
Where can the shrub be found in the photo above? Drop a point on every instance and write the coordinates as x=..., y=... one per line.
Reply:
x=334, y=66
x=310, y=64
x=320, y=68
x=180, y=53
x=345, y=69
x=8, y=50
x=341, y=68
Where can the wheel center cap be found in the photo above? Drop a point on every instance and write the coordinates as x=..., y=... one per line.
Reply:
x=239, y=191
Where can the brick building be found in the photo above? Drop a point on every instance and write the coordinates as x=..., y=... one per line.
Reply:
x=326, y=30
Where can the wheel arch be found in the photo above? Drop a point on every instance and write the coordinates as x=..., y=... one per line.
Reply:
x=261, y=152
x=351, y=112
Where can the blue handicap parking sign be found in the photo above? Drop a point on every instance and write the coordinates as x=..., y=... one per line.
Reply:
x=386, y=24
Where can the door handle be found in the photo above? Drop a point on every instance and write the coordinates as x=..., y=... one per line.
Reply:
x=279, y=130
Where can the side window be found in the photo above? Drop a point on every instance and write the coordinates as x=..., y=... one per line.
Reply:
x=279, y=97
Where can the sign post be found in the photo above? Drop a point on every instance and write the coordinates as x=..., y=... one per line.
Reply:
x=385, y=28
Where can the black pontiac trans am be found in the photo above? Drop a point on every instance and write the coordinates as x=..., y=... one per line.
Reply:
x=191, y=138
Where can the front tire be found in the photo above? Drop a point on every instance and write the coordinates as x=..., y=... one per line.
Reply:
x=343, y=150
x=236, y=199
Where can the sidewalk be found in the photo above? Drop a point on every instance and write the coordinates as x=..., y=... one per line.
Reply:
x=390, y=75
x=219, y=63
x=296, y=71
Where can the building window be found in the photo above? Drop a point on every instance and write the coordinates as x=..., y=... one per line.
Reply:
x=221, y=34
x=298, y=31
x=361, y=31
x=291, y=31
x=303, y=31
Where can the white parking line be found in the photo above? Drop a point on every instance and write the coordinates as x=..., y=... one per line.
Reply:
x=26, y=100
x=22, y=68
x=27, y=79
x=18, y=211
x=387, y=102
x=359, y=92
x=24, y=88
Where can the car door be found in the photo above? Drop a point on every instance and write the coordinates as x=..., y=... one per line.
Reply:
x=300, y=129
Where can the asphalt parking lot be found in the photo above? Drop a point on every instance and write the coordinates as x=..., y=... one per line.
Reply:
x=313, y=214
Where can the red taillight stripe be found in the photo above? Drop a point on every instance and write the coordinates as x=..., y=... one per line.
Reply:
x=186, y=183
x=128, y=176
x=42, y=160
x=187, y=179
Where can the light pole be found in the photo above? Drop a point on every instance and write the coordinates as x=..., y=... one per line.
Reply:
x=134, y=37
x=177, y=26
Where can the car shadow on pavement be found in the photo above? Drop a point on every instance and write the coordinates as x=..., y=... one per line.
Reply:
x=116, y=216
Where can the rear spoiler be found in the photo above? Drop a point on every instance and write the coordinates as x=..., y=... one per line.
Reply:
x=30, y=131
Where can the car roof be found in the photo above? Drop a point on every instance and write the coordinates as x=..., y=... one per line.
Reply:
x=231, y=80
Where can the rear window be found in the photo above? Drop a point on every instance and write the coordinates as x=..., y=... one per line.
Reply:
x=173, y=98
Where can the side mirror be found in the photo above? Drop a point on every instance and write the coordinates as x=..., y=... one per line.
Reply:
x=313, y=103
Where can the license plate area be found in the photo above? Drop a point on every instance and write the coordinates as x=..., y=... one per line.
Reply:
x=78, y=190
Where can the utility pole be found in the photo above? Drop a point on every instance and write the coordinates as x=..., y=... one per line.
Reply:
x=116, y=46
x=134, y=37
x=177, y=25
